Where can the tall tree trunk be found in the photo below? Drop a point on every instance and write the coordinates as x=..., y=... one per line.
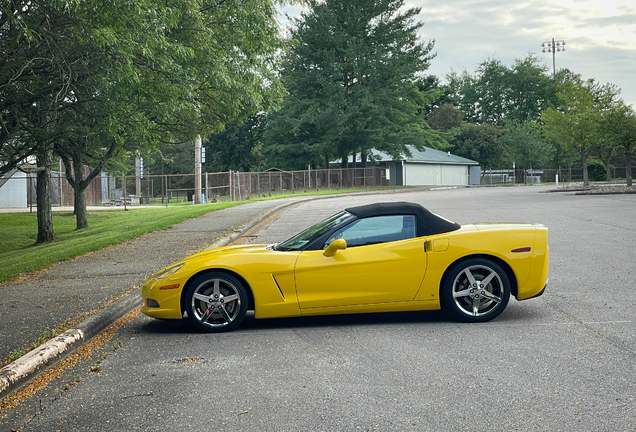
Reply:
x=628, y=165
x=81, y=214
x=43, y=196
x=326, y=162
x=345, y=161
x=608, y=174
x=79, y=193
x=586, y=180
x=363, y=159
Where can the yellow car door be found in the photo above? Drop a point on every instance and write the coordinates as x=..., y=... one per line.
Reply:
x=383, y=262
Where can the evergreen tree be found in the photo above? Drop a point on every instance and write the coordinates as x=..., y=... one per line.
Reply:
x=352, y=76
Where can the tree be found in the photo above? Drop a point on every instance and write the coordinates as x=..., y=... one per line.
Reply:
x=483, y=143
x=129, y=75
x=237, y=147
x=445, y=118
x=30, y=71
x=498, y=94
x=526, y=146
x=619, y=125
x=33, y=89
x=576, y=124
x=352, y=78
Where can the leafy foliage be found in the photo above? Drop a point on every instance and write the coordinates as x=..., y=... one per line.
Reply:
x=352, y=82
x=576, y=124
x=596, y=171
x=498, y=94
x=445, y=118
x=101, y=79
x=526, y=145
x=618, y=127
x=483, y=143
x=237, y=148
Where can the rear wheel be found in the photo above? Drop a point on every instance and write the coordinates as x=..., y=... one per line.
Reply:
x=476, y=290
x=216, y=302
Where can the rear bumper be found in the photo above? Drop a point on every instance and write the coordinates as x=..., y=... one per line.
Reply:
x=539, y=294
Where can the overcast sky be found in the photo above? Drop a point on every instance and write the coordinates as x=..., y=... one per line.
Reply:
x=600, y=35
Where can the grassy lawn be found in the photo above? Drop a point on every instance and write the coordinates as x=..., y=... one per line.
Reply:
x=18, y=231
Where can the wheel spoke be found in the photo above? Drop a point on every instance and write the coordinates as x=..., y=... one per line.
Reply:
x=225, y=315
x=470, y=277
x=491, y=296
x=487, y=280
x=206, y=315
x=462, y=293
x=201, y=297
x=475, y=306
x=230, y=298
x=217, y=289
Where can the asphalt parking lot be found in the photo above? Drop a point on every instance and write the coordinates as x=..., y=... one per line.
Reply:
x=564, y=361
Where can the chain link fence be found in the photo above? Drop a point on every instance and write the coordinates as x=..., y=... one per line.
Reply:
x=174, y=189
x=543, y=175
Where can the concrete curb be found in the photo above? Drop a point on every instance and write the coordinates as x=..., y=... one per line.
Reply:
x=21, y=371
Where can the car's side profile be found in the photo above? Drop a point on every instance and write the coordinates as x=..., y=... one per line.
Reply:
x=374, y=258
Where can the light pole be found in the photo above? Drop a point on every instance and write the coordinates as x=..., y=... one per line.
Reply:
x=553, y=46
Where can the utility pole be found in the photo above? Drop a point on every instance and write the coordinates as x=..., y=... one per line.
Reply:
x=553, y=46
x=197, y=170
x=139, y=168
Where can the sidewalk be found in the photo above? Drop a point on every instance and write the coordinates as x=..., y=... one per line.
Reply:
x=40, y=302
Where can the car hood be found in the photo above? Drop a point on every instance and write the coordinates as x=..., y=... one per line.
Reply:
x=229, y=250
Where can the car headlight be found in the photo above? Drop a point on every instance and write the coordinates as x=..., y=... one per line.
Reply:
x=167, y=271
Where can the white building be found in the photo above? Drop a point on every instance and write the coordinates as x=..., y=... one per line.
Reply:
x=13, y=190
x=428, y=168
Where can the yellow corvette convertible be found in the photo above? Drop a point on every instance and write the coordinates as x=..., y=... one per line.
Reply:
x=372, y=258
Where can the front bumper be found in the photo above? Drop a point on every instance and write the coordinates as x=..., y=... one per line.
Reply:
x=167, y=299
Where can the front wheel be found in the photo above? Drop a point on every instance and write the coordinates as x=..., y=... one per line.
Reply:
x=216, y=302
x=476, y=290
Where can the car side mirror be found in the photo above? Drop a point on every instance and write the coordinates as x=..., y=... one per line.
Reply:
x=334, y=247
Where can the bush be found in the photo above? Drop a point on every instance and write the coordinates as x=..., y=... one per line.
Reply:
x=596, y=171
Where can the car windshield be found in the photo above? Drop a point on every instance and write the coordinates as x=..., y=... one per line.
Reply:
x=298, y=241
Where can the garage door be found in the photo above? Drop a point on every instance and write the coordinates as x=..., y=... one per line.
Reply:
x=422, y=174
x=454, y=175
x=436, y=175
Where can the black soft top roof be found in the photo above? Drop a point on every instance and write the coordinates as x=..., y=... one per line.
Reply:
x=427, y=222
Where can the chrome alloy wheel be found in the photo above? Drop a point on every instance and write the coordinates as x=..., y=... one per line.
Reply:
x=216, y=302
x=478, y=291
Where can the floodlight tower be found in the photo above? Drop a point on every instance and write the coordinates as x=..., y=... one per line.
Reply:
x=553, y=46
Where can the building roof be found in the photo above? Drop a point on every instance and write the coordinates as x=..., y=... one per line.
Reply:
x=429, y=155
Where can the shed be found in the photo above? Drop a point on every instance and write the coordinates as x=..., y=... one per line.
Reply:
x=428, y=168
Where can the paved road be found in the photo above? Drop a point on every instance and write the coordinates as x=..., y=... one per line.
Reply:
x=565, y=361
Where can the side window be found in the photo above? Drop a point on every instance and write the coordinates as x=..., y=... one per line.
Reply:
x=373, y=230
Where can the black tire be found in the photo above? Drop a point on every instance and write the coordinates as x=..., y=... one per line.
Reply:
x=468, y=299
x=216, y=302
